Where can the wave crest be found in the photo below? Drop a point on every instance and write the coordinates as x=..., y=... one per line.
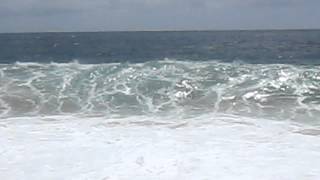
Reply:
x=162, y=88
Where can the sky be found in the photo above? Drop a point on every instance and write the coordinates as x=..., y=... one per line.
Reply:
x=135, y=15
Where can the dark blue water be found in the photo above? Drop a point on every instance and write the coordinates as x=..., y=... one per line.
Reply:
x=294, y=47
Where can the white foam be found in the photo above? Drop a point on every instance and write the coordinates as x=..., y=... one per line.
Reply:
x=206, y=147
x=263, y=90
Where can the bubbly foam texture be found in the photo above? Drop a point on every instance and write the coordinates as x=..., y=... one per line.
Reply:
x=208, y=146
x=161, y=88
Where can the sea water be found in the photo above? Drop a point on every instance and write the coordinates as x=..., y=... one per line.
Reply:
x=160, y=105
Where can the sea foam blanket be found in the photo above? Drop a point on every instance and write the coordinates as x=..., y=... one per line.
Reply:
x=206, y=147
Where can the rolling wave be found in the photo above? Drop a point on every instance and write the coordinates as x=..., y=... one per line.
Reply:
x=161, y=88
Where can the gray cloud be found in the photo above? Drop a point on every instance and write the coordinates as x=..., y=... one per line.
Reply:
x=286, y=3
x=95, y=15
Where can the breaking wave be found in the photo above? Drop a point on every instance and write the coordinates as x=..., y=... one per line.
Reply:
x=161, y=88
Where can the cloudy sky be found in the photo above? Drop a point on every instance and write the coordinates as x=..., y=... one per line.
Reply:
x=113, y=15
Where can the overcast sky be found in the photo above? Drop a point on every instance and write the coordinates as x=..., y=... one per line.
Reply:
x=113, y=15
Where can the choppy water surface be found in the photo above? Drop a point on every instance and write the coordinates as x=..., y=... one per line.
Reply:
x=160, y=105
x=276, y=91
x=268, y=74
x=259, y=47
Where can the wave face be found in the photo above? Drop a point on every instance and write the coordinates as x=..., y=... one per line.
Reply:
x=161, y=88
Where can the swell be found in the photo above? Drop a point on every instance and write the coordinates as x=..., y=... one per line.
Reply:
x=161, y=88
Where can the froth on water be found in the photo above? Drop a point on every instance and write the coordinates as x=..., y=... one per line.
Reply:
x=161, y=88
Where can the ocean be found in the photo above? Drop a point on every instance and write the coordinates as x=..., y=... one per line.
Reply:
x=160, y=105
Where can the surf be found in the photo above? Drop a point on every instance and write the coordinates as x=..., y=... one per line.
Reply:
x=162, y=87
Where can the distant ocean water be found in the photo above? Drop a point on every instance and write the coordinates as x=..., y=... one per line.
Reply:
x=160, y=105
x=260, y=47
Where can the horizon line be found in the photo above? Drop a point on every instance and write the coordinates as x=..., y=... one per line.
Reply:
x=165, y=30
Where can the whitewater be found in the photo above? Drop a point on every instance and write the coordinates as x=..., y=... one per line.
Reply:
x=161, y=88
x=196, y=105
x=162, y=119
